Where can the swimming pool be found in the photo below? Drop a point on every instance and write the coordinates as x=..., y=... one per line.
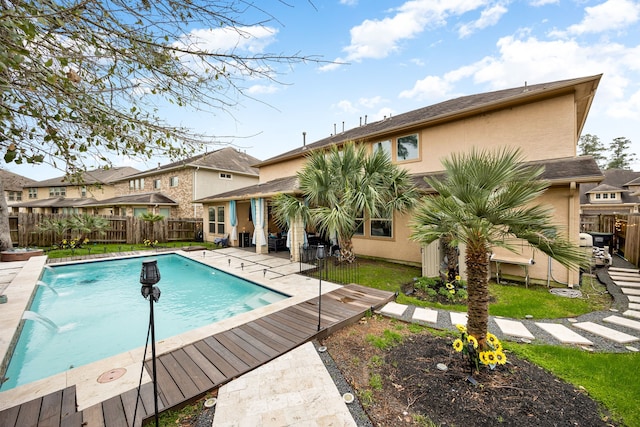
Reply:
x=89, y=311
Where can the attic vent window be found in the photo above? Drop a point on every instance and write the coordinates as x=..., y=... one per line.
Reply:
x=225, y=175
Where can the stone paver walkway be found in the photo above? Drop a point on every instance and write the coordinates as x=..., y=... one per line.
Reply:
x=622, y=329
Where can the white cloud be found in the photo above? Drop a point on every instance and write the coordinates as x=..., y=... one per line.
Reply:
x=537, y=3
x=349, y=2
x=251, y=39
x=262, y=89
x=379, y=38
x=370, y=102
x=626, y=109
x=346, y=106
x=611, y=15
x=488, y=18
x=431, y=87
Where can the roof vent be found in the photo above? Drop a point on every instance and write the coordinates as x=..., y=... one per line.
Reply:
x=304, y=139
x=526, y=89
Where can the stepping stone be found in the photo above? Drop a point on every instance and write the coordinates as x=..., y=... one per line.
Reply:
x=394, y=309
x=603, y=331
x=627, y=284
x=624, y=270
x=425, y=315
x=629, y=291
x=458, y=318
x=634, y=298
x=627, y=277
x=632, y=313
x=634, y=306
x=564, y=334
x=622, y=321
x=513, y=328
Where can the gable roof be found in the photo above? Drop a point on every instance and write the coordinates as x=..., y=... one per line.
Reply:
x=156, y=198
x=14, y=182
x=92, y=177
x=226, y=159
x=455, y=109
x=56, y=202
x=618, y=179
x=287, y=184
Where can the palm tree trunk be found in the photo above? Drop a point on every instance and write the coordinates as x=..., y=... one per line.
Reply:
x=346, y=251
x=478, y=293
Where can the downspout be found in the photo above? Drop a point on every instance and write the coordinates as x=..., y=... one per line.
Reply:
x=195, y=188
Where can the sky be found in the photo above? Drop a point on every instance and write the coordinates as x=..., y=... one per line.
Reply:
x=387, y=58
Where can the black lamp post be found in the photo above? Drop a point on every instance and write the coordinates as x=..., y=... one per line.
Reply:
x=149, y=276
x=320, y=258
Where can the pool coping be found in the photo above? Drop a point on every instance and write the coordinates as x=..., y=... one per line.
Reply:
x=271, y=272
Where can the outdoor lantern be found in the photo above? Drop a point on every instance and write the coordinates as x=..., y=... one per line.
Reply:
x=149, y=276
x=320, y=257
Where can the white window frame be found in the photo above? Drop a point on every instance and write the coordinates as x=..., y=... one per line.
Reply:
x=33, y=193
x=174, y=181
x=225, y=175
x=157, y=184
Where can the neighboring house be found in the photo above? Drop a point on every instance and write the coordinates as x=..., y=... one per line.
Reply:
x=544, y=120
x=13, y=188
x=59, y=195
x=606, y=207
x=170, y=189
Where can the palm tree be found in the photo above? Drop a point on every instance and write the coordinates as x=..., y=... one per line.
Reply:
x=485, y=198
x=86, y=224
x=342, y=185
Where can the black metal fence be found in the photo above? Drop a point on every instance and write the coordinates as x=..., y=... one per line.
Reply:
x=330, y=268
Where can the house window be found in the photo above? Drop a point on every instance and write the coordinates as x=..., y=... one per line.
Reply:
x=612, y=195
x=605, y=196
x=225, y=175
x=131, y=184
x=136, y=184
x=15, y=196
x=216, y=220
x=173, y=181
x=598, y=196
x=407, y=147
x=139, y=211
x=382, y=227
x=165, y=212
x=359, y=225
x=156, y=184
x=33, y=193
x=83, y=191
x=383, y=146
x=57, y=191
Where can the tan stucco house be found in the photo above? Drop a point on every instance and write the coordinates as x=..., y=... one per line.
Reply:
x=544, y=120
x=13, y=185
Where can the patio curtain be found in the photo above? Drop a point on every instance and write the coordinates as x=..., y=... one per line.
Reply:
x=233, y=217
x=257, y=209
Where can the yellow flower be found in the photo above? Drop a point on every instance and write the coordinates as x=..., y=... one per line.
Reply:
x=491, y=358
x=452, y=291
x=458, y=278
x=473, y=340
x=457, y=345
x=449, y=285
x=462, y=328
x=483, y=357
x=497, y=346
x=491, y=338
x=501, y=359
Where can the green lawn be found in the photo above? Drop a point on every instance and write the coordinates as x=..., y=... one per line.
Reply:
x=609, y=378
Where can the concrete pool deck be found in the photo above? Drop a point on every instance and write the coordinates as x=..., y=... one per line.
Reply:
x=273, y=272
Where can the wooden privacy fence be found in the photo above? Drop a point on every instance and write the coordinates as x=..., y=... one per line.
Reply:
x=130, y=230
x=632, y=239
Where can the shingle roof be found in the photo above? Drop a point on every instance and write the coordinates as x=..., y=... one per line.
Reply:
x=14, y=182
x=457, y=108
x=281, y=185
x=96, y=176
x=56, y=202
x=616, y=178
x=226, y=159
x=137, y=199
x=563, y=170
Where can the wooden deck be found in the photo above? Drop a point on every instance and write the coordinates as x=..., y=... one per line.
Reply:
x=188, y=373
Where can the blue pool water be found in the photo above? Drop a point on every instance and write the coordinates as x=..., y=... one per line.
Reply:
x=86, y=312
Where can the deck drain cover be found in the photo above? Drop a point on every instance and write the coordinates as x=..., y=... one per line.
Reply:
x=111, y=375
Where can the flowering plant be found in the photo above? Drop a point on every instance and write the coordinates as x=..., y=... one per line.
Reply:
x=453, y=291
x=148, y=242
x=73, y=243
x=490, y=356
